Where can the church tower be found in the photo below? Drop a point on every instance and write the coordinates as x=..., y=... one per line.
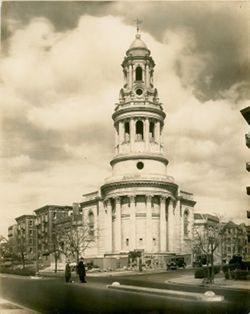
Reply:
x=139, y=208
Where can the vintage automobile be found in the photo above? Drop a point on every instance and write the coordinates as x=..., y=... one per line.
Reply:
x=176, y=262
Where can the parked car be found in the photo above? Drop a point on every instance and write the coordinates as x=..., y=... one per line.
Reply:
x=171, y=264
x=176, y=262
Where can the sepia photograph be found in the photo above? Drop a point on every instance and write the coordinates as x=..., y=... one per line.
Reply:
x=125, y=157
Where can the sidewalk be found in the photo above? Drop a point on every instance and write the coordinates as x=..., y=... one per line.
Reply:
x=8, y=307
x=218, y=282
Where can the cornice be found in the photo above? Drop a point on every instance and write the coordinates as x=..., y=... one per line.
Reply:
x=139, y=156
x=170, y=186
x=138, y=108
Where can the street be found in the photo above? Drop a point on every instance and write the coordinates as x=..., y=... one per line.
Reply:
x=53, y=295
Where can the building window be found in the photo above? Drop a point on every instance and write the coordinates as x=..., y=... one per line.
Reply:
x=127, y=242
x=139, y=130
x=30, y=232
x=91, y=223
x=31, y=223
x=186, y=214
x=138, y=74
x=140, y=165
x=154, y=241
x=127, y=132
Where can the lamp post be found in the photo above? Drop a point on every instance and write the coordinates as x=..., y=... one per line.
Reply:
x=37, y=262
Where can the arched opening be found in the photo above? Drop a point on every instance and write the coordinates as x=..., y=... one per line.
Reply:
x=91, y=223
x=127, y=132
x=152, y=131
x=139, y=130
x=138, y=74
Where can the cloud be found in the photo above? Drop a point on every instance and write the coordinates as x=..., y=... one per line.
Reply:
x=59, y=89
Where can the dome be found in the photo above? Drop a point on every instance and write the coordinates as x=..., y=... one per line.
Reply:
x=138, y=43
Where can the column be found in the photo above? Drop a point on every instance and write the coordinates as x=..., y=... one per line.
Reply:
x=171, y=226
x=163, y=227
x=148, y=223
x=132, y=223
x=157, y=132
x=108, y=226
x=121, y=132
x=161, y=138
x=146, y=133
x=133, y=74
x=130, y=76
x=116, y=140
x=132, y=134
x=147, y=77
x=118, y=224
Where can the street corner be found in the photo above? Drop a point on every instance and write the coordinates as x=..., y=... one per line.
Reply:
x=8, y=307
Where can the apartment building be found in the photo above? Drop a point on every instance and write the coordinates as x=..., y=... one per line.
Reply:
x=25, y=236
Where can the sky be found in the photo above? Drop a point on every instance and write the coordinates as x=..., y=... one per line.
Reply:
x=60, y=76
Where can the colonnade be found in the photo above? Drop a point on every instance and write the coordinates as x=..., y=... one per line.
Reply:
x=149, y=132
x=130, y=74
x=113, y=209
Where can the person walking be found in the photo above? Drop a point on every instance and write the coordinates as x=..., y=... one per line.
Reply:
x=81, y=270
x=67, y=272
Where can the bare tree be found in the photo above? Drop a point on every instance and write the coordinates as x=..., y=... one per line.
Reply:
x=77, y=239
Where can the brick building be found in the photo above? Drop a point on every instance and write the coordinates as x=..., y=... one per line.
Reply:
x=26, y=236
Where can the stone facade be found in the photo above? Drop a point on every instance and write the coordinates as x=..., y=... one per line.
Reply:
x=139, y=208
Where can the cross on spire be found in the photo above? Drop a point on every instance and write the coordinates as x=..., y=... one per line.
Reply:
x=138, y=22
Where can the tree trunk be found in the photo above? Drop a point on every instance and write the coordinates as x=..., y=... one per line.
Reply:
x=23, y=259
x=55, y=262
x=212, y=264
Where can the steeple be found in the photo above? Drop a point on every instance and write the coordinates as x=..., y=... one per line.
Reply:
x=139, y=116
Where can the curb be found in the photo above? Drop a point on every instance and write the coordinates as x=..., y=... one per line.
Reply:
x=216, y=286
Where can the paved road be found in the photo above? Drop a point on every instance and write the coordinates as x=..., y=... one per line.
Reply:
x=54, y=296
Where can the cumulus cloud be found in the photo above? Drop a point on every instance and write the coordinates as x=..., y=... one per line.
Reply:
x=58, y=90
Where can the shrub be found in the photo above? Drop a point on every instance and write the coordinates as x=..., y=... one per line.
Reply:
x=240, y=274
x=202, y=272
x=20, y=272
x=216, y=269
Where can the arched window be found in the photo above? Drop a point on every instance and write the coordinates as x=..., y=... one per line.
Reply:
x=91, y=223
x=185, y=225
x=127, y=132
x=138, y=74
x=152, y=131
x=139, y=130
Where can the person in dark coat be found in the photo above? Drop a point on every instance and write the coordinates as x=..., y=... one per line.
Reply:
x=81, y=270
x=67, y=272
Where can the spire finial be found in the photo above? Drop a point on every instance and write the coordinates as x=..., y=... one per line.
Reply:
x=138, y=22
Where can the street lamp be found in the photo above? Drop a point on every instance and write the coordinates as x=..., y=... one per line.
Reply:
x=37, y=262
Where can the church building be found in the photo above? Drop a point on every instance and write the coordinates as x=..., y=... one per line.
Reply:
x=139, y=211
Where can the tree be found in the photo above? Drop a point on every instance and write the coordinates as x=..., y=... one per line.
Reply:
x=207, y=238
x=77, y=238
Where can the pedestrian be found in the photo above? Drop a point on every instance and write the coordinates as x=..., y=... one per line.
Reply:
x=81, y=270
x=67, y=272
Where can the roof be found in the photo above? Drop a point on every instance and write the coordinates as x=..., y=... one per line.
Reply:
x=24, y=217
x=138, y=43
x=138, y=48
x=55, y=207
